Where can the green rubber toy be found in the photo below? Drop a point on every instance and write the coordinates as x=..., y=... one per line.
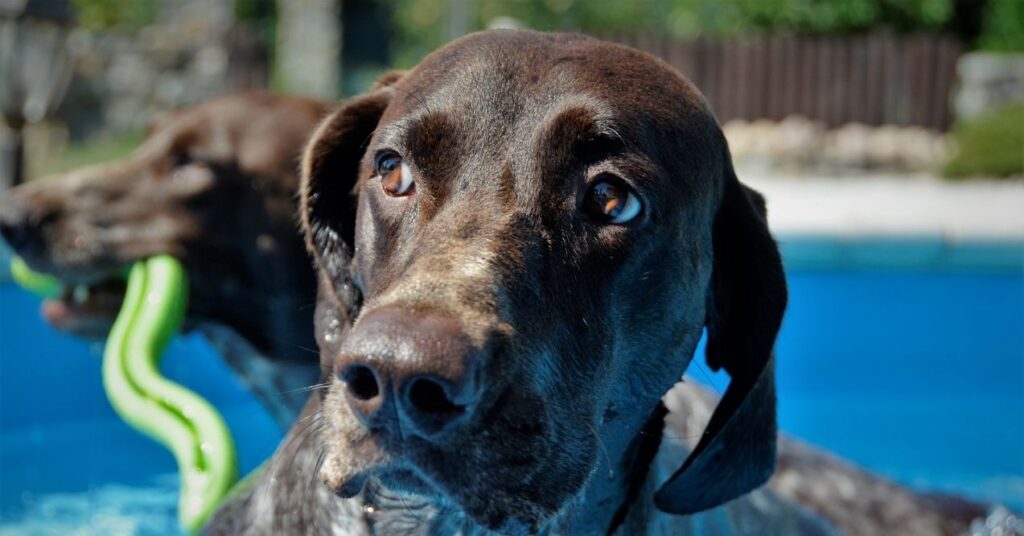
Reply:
x=154, y=307
x=181, y=420
x=35, y=282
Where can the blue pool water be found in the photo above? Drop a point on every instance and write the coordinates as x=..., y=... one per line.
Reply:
x=917, y=375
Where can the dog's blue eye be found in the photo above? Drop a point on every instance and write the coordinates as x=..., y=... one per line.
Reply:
x=395, y=175
x=610, y=201
x=386, y=163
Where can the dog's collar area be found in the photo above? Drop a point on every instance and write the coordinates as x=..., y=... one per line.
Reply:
x=638, y=460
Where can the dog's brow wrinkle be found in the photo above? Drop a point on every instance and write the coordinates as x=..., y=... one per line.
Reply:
x=392, y=133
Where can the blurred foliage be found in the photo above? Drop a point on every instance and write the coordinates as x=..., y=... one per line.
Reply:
x=77, y=155
x=421, y=22
x=1004, y=26
x=260, y=17
x=990, y=145
x=128, y=15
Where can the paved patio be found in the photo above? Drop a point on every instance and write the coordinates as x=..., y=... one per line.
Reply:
x=894, y=207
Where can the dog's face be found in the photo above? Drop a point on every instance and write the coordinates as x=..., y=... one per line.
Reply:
x=523, y=271
x=212, y=185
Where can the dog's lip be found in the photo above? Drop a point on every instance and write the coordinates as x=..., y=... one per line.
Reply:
x=401, y=471
x=85, y=310
x=391, y=475
x=351, y=486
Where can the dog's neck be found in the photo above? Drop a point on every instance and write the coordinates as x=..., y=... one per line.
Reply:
x=609, y=499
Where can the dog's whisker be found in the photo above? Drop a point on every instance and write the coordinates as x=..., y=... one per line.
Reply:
x=294, y=345
x=418, y=518
x=707, y=377
x=314, y=477
x=307, y=427
x=681, y=437
x=604, y=449
x=307, y=389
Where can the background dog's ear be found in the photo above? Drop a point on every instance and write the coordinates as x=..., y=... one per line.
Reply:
x=330, y=173
x=747, y=299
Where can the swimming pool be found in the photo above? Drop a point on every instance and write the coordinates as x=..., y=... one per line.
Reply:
x=914, y=370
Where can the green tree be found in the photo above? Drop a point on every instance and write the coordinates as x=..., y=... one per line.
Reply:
x=114, y=14
x=420, y=23
x=1004, y=26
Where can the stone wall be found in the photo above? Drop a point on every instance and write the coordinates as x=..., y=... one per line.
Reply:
x=798, y=146
x=986, y=80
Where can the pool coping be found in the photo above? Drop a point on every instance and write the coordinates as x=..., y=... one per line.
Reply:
x=901, y=253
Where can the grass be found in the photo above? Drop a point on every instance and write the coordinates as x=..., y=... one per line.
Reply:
x=990, y=145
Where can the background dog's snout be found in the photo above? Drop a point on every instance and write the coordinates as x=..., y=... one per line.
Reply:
x=414, y=370
x=20, y=223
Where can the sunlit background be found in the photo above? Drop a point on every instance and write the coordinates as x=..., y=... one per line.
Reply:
x=887, y=135
x=844, y=84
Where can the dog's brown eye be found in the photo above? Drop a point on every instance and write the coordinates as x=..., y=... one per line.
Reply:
x=395, y=175
x=611, y=202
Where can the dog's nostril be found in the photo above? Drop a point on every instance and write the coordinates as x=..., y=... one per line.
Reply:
x=429, y=396
x=361, y=382
x=17, y=235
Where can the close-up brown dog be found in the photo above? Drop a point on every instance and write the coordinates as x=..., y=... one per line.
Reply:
x=518, y=245
x=544, y=224
x=213, y=185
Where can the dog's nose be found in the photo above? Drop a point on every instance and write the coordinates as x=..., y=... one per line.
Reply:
x=413, y=370
x=18, y=225
x=17, y=235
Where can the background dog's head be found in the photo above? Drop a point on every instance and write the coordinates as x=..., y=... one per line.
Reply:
x=212, y=184
x=519, y=243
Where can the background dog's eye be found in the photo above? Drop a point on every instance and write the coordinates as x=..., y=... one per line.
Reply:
x=395, y=175
x=611, y=201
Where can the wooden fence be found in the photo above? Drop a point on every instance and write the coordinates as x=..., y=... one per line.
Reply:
x=873, y=79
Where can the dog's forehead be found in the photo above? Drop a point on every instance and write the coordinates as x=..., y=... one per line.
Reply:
x=523, y=75
x=260, y=133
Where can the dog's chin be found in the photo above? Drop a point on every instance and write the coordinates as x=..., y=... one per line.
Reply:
x=490, y=481
x=397, y=480
x=367, y=470
x=409, y=487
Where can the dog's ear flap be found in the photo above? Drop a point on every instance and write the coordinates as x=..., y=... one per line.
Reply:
x=736, y=453
x=330, y=173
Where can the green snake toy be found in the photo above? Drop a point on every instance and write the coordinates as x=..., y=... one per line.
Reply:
x=181, y=420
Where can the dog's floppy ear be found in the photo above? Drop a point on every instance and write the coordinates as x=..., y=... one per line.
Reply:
x=330, y=172
x=747, y=299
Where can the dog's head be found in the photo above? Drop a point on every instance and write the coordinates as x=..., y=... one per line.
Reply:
x=519, y=243
x=212, y=184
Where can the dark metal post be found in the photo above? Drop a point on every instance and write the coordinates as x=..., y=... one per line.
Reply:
x=18, y=156
x=34, y=74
